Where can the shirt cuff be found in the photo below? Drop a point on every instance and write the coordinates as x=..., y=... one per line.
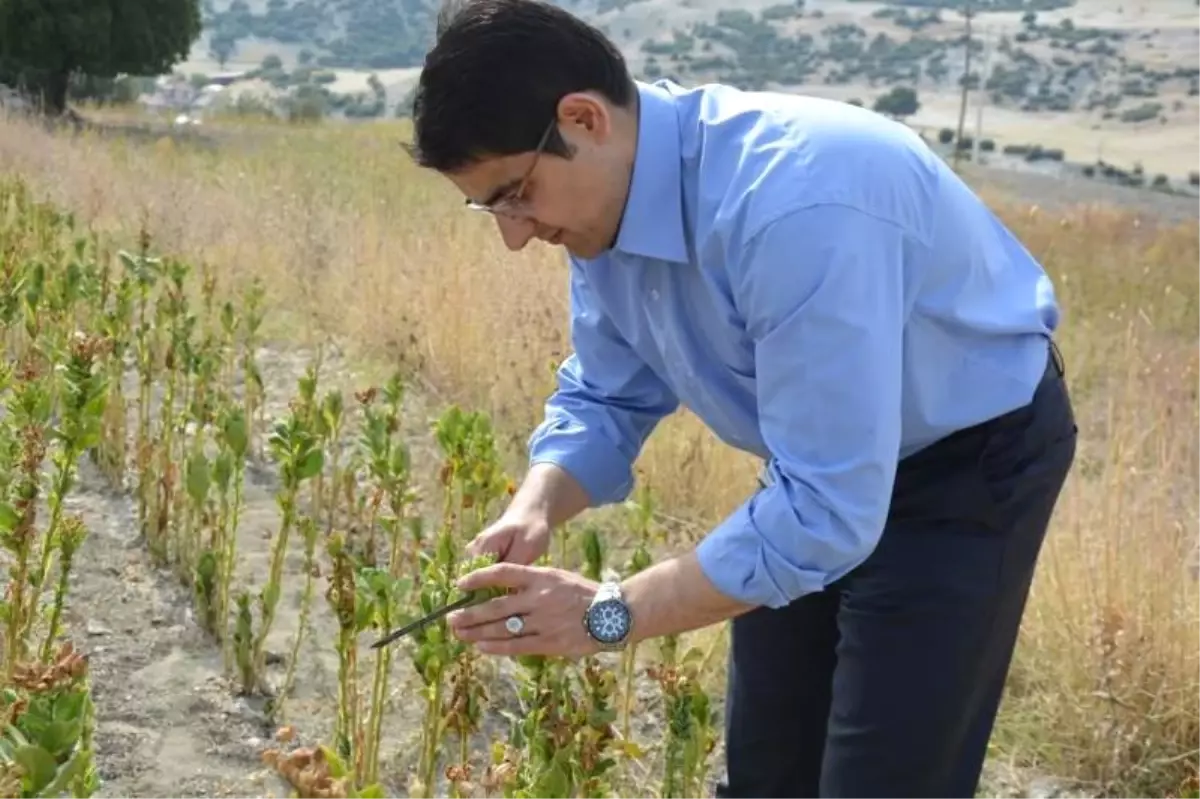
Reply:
x=741, y=564
x=597, y=465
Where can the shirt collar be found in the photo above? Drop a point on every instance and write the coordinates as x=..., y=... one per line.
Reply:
x=652, y=223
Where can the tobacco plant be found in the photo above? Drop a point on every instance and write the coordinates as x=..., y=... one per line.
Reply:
x=342, y=598
x=81, y=393
x=563, y=741
x=202, y=398
x=48, y=720
x=691, y=720
x=387, y=465
x=229, y=470
x=110, y=453
x=294, y=446
x=27, y=416
x=442, y=661
x=380, y=595
x=310, y=531
x=52, y=392
x=144, y=272
x=641, y=513
x=471, y=474
x=253, y=390
x=596, y=737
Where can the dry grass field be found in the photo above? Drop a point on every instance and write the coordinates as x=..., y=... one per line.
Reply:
x=360, y=252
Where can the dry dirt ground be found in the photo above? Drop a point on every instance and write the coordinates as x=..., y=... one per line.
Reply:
x=168, y=722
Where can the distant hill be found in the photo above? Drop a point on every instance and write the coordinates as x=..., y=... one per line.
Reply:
x=341, y=34
x=1102, y=81
x=394, y=34
x=1043, y=61
x=369, y=34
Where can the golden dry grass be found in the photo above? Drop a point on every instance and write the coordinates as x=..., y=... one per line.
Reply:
x=352, y=240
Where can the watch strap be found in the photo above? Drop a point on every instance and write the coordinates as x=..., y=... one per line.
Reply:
x=609, y=589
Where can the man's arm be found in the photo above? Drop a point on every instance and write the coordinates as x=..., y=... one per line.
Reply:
x=607, y=403
x=822, y=290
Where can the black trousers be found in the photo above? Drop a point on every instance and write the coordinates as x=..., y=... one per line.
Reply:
x=887, y=683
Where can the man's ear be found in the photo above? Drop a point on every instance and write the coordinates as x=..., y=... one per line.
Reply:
x=585, y=114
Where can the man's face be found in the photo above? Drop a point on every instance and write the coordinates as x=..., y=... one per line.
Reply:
x=574, y=202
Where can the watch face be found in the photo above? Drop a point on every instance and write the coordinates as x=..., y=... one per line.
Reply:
x=608, y=621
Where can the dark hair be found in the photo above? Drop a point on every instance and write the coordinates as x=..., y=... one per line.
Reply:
x=491, y=84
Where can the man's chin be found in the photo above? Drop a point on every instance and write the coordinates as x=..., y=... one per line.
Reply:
x=583, y=253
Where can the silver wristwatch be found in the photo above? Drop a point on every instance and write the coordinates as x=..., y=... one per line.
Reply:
x=608, y=619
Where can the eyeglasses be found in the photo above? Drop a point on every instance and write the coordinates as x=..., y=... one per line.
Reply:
x=513, y=203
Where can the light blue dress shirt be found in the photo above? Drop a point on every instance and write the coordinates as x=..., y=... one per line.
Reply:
x=820, y=289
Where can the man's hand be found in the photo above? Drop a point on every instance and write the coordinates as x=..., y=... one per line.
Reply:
x=514, y=539
x=674, y=596
x=548, y=498
x=551, y=602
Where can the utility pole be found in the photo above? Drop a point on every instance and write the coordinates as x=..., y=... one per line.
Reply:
x=981, y=96
x=962, y=109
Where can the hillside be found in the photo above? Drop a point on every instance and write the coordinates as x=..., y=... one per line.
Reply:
x=1092, y=81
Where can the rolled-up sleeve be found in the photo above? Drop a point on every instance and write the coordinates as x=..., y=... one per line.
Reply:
x=821, y=290
x=607, y=402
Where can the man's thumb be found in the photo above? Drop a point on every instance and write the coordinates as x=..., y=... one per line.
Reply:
x=490, y=542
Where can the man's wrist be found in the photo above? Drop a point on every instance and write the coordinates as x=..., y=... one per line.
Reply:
x=530, y=518
x=548, y=495
x=675, y=596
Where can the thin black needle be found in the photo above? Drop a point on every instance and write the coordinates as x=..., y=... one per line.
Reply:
x=432, y=617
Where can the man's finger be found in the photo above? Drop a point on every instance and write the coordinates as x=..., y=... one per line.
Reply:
x=497, y=609
x=487, y=542
x=491, y=631
x=532, y=644
x=499, y=575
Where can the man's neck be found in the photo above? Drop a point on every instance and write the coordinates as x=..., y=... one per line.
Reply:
x=628, y=122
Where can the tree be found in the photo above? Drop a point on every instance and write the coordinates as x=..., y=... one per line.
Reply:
x=44, y=43
x=901, y=101
x=221, y=45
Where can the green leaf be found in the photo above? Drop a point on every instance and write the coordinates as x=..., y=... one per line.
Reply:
x=222, y=470
x=311, y=465
x=39, y=766
x=234, y=431
x=270, y=594
x=59, y=736
x=631, y=749
x=337, y=768
x=198, y=476
x=9, y=518
x=66, y=774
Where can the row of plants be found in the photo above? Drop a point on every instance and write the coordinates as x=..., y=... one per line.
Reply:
x=148, y=369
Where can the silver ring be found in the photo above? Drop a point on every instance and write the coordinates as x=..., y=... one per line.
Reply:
x=514, y=624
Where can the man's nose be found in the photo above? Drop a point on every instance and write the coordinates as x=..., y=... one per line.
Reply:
x=515, y=232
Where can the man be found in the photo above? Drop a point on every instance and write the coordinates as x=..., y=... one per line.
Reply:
x=821, y=290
